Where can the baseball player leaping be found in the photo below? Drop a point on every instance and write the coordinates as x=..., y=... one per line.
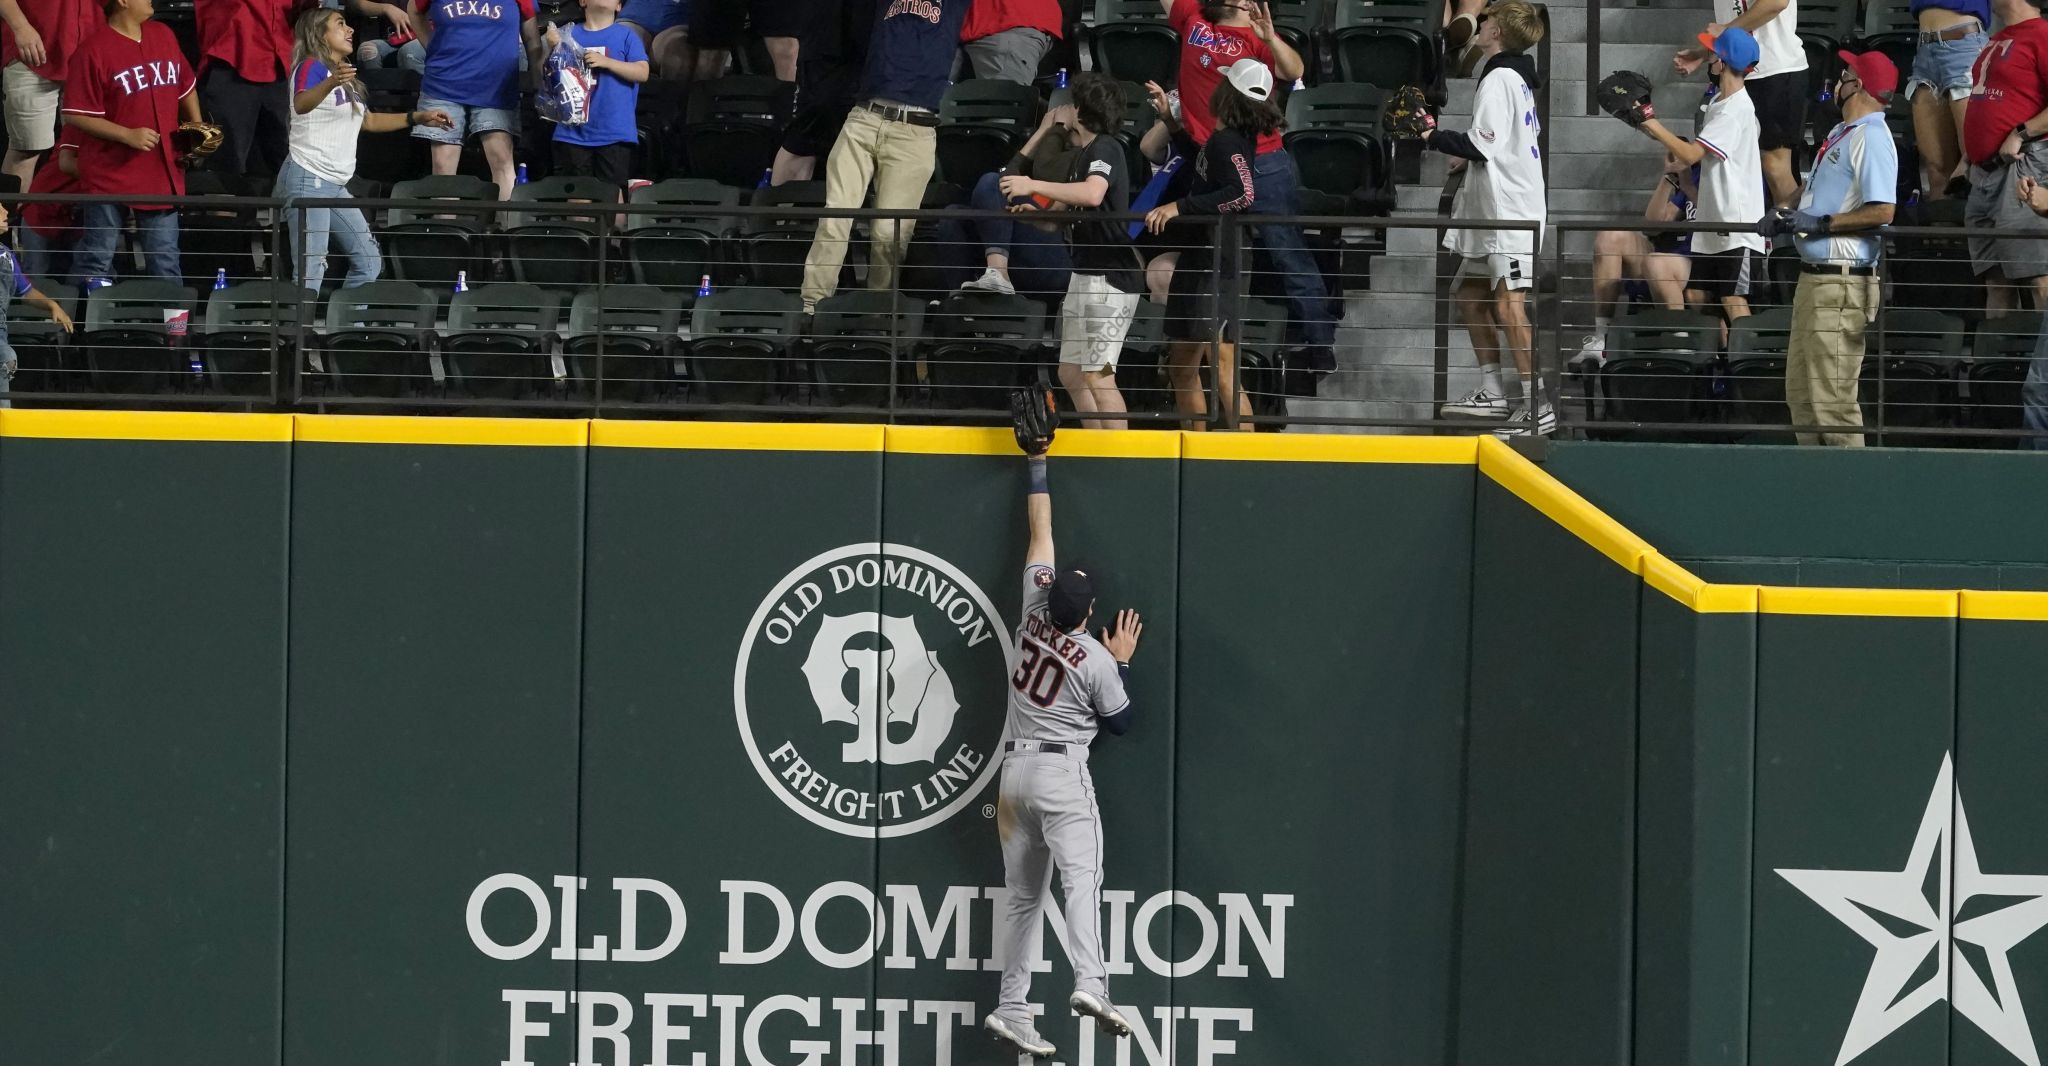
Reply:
x=1064, y=684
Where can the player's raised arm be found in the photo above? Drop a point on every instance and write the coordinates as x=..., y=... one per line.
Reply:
x=1034, y=418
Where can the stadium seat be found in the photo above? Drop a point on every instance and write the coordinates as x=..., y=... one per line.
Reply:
x=432, y=245
x=389, y=158
x=219, y=237
x=773, y=247
x=677, y=246
x=980, y=344
x=377, y=341
x=1756, y=368
x=1999, y=355
x=1261, y=363
x=1300, y=23
x=125, y=339
x=1933, y=272
x=732, y=127
x=243, y=323
x=1891, y=27
x=500, y=341
x=1911, y=373
x=1130, y=41
x=555, y=249
x=48, y=362
x=621, y=344
x=862, y=344
x=740, y=342
x=1658, y=362
x=1344, y=169
x=1828, y=24
x=1388, y=43
x=661, y=104
x=981, y=124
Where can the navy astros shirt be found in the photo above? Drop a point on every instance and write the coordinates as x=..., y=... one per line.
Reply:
x=910, y=56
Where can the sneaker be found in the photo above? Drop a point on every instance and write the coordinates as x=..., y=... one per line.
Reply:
x=1482, y=403
x=1105, y=1013
x=1519, y=422
x=1022, y=1037
x=992, y=280
x=1592, y=355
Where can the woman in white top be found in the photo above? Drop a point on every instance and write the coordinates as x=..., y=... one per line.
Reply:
x=327, y=115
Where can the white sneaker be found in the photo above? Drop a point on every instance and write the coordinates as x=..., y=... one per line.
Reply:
x=1105, y=1013
x=1020, y=1036
x=1481, y=403
x=1592, y=355
x=1519, y=422
x=992, y=280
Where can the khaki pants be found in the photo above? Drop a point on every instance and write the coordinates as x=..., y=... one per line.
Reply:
x=898, y=157
x=1824, y=355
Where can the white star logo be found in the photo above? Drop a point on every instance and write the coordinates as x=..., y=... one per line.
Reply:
x=1886, y=1002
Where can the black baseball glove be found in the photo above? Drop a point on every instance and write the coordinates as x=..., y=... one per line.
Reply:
x=1407, y=115
x=1625, y=94
x=1035, y=415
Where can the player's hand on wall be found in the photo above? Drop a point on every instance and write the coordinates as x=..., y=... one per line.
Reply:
x=1122, y=641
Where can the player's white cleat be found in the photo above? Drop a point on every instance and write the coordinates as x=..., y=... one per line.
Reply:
x=1104, y=1012
x=1021, y=1036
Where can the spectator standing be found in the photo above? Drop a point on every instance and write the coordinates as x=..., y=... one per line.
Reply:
x=129, y=86
x=603, y=146
x=396, y=41
x=37, y=38
x=1731, y=188
x=719, y=27
x=328, y=115
x=1777, y=86
x=832, y=50
x=889, y=140
x=1952, y=35
x=14, y=283
x=1198, y=322
x=2003, y=131
x=473, y=54
x=1658, y=262
x=1504, y=180
x=1214, y=35
x=1851, y=192
x=245, y=53
x=1107, y=277
x=663, y=27
x=1005, y=40
x=49, y=230
x=1017, y=254
x=2034, y=391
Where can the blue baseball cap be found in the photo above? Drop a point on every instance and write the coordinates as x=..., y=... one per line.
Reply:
x=1736, y=47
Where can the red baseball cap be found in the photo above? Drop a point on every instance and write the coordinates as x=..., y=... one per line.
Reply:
x=1875, y=70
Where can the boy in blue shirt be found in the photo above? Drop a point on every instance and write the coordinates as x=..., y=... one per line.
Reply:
x=15, y=284
x=603, y=146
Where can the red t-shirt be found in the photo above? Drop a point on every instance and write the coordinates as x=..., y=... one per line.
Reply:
x=995, y=16
x=51, y=220
x=1205, y=50
x=252, y=36
x=137, y=84
x=63, y=24
x=2011, y=76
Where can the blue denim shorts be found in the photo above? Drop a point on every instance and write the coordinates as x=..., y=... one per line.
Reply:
x=1945, y=65
x=469, y=121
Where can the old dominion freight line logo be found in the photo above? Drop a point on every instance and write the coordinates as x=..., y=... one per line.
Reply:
x=869, y=689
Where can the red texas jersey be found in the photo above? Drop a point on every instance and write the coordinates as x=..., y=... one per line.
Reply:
x=137, y=84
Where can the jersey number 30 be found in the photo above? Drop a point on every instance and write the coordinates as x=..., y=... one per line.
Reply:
x=1039, y=675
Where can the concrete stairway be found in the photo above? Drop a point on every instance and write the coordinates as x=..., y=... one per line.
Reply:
x=1599, y=168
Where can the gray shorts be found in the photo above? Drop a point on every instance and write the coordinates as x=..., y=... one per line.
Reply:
x=1994, y=205
x=1008, y=55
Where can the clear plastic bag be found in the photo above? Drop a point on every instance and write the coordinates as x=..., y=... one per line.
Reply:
x=566, y=83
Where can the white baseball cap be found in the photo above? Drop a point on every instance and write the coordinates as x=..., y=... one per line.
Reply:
x=1252, y=78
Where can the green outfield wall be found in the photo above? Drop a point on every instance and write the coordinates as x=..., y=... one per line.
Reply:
x=330, y=740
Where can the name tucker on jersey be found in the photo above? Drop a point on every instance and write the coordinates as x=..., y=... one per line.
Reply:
x=1040, y=628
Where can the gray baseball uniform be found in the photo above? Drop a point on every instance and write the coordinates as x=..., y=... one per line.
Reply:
x=1060, y=686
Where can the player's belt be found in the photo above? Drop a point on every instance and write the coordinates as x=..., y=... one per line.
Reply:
x=1046, y=746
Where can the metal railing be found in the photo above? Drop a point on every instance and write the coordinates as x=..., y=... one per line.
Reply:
x=696, y=310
